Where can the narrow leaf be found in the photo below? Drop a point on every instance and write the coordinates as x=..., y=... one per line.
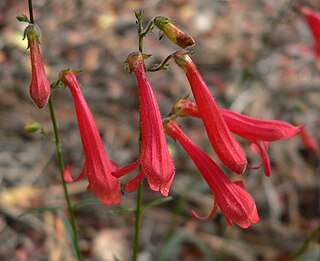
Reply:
x=38, y=211
x=23, y=18
x=157, y=202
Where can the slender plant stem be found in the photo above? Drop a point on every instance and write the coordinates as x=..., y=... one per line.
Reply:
x=138, y=212
x=137, y=225
x=140, y=36
x=65, y=189
x=30, y=11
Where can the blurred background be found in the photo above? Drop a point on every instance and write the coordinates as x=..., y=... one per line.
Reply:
x=254, y=56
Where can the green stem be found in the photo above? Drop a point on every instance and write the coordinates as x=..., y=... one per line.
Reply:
x=137, y=225
x=65, y=189
x=31, y=11
x=313, y=236
x=140, y=36
x=138, y=212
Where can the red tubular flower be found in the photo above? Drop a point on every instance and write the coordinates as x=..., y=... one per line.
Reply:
x=221, y=139
x=235, y=203
x=313, y=20
x=309, y=142
x=97, y=165
x=39, y=86
x=154, y=159
x=247, y=127
x=257, y=131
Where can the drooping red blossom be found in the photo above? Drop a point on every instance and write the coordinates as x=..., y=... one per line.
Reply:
x=313, y=20
x=225, y=145
x=235, y=203
x=258, y=132
x=156, y=164
x=308, y=141
x=97, y=165
x=39, y=86
x=247, y=127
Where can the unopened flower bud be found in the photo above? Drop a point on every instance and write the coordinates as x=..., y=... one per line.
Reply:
x=32, y=127
x=174, y=34
x=39, y=86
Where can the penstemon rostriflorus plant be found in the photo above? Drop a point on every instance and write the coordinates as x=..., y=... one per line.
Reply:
x=154, y=161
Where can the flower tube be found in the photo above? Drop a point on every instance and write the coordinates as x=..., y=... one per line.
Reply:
x=221, y=139
x=97, y=165
x=247, y=127
x=235, y=203
x=258, y=132
x=39, y=87
x=156, y=164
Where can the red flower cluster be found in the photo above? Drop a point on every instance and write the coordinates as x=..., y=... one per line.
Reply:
x=155, y=163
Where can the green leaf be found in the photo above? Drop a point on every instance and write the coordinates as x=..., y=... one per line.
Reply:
x=176, y=240
x=122, y=210
x=68, y=228
x=312, y=237
x=156, y=202
x=87, y=202
x=139, y=14
x=38, y=211
x=23, y=18
x=115, y=258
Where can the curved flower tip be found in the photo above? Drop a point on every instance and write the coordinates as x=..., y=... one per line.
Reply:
x=39, y=86
x=213, y=211
x=243, y=211
x=261, y=148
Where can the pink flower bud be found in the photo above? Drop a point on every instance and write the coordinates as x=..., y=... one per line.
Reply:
x=39, y=86
x=173, y=33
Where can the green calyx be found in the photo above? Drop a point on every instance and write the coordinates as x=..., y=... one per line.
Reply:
x=132, y=59
x=181, y=57
x=162, y=22
x=32, y=31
